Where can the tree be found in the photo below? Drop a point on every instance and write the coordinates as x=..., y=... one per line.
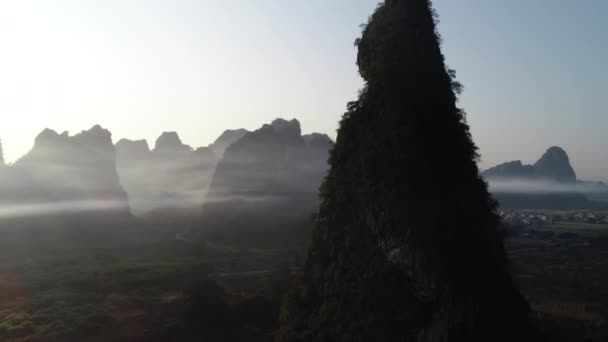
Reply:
x=406, y=245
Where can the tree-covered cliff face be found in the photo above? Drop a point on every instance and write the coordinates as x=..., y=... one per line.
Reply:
x=405, y=248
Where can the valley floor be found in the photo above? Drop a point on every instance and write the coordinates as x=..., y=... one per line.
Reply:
x=174, y=290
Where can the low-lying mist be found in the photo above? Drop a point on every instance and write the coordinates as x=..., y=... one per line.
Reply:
x=544, y=187
x=60, y=207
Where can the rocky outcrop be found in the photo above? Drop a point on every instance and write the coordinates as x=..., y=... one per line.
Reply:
x=132, y=149
x=64, y=192
x=79, y=168
x=514, y=169
x=550, y=183
x=266, y=183
x=406, y=244
x=553, y=166
x=173, y=176
x=226, y=139
x=169, y=143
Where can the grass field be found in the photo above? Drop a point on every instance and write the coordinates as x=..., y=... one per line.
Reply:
x=582, y=229
x=145, y=292
x=565, y=286
x=109, y=295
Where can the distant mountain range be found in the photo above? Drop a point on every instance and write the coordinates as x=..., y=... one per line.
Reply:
x=244, y=182
x=265, y=178
x=550, y=183
x=64, y=193
x=226, y=139
x=553, y=166
x=172, y=175
x=78, y=171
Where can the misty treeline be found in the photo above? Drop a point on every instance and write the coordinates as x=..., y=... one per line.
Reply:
x=243, y=183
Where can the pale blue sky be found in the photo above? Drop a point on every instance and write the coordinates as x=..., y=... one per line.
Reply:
x=533, y=70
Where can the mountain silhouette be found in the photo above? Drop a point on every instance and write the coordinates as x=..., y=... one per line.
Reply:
x=226, y=139
x=79, y=168
x=173, y=175
x=513, y=169
x=63, y=194
x=170, y=143
x=266, y=182
x=550, y=183
x=553, y=166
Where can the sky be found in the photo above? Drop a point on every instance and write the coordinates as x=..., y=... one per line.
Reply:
x=533, y=71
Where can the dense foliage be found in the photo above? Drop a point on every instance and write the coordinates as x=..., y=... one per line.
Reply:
x=406, y=246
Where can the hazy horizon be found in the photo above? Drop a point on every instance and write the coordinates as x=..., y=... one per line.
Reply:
x=201, y=67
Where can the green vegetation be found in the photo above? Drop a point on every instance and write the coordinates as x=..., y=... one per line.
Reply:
x=177, y=291
x=565, y=286
x=145, y=292
x=580, y=228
